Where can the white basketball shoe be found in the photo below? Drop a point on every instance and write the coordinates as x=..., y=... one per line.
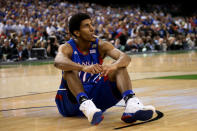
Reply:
x=135, y=110
x=93, y=114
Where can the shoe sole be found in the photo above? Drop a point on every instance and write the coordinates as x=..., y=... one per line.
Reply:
x=141, y=115
x=97, y=118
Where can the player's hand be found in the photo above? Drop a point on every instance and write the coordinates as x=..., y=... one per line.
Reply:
x=94, y=69
x=108, y=69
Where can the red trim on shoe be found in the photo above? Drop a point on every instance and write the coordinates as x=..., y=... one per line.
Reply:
x=125, y=117
x=102, y=117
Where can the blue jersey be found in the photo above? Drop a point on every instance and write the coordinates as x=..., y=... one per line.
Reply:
x=91, y=58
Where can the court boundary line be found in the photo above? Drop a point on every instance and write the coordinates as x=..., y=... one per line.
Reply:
x=26, y=108
x=42, y=107
x=27, y=95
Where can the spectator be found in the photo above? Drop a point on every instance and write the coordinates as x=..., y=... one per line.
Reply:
x=52, y=46
x=50, y=29
x=26, y=53
x=6, y=50
x=150, y=29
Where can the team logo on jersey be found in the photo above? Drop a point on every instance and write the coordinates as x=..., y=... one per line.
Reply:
x=92, y=51
x=94, y=46
x=75, y=53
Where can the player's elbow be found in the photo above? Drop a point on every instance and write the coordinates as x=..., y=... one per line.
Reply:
x=128, y=58
x=56, y=62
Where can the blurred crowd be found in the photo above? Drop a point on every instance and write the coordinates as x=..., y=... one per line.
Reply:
x=26, y=25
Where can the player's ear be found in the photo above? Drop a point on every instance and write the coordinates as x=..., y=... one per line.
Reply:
x=77, y=33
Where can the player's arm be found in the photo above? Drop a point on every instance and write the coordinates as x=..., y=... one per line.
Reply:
x=107, y=49
x=63, y=61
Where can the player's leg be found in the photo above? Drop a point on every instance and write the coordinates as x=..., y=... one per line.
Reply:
x=89, y=109
x=73, y=81
x=134, y=110
x=122, y=79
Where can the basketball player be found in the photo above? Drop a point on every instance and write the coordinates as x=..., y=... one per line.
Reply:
x=88, y=87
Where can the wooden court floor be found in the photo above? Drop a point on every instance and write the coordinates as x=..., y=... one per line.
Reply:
x=27, y=96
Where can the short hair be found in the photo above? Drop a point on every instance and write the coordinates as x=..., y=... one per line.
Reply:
x=75, y=22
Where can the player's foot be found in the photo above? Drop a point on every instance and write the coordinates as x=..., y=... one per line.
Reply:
x=135, y=110
x=93, y=114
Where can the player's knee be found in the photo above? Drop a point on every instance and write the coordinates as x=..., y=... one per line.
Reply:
x=122, y=69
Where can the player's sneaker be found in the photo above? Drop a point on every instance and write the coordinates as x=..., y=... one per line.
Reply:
x=93, y=114
x=135, y=110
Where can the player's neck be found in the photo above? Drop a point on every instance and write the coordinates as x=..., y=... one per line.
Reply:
x=83, y=45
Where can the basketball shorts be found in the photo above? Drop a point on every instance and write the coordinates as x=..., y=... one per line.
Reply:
x=104, y=94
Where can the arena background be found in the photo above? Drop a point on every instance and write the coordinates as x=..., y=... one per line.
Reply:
x=166, y=79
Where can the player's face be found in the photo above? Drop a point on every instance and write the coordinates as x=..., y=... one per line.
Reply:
x=87, y=30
